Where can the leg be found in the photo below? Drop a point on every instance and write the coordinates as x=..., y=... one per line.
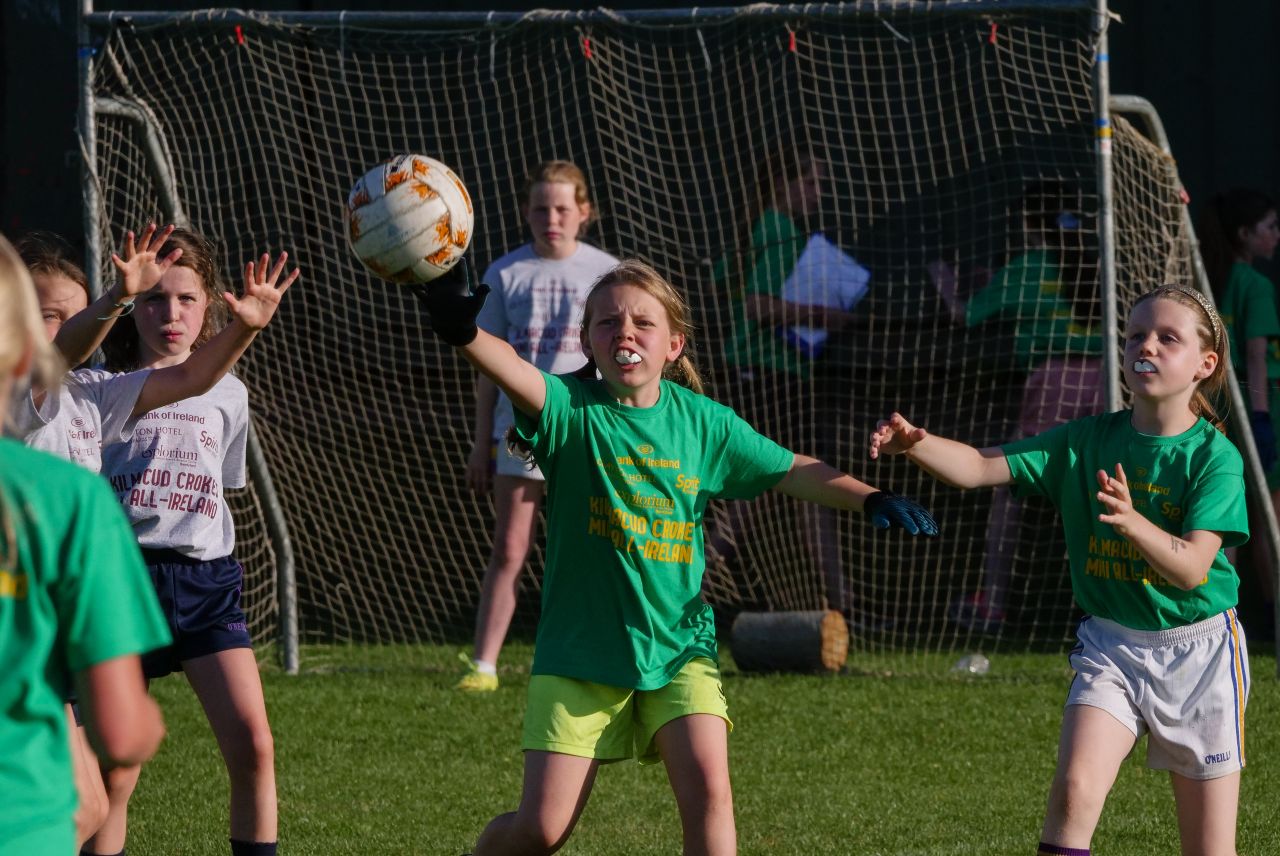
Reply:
x=695, y=749
x=556, y=788
x=111, y=834
x=1090, y=751
x=1207, y=814
x=91, y=804
x=230, y=689
x=516, y=502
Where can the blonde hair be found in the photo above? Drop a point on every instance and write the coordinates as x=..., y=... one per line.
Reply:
x=561, y=172
x=20, y=329
x=1212, y=338
x=636, y=273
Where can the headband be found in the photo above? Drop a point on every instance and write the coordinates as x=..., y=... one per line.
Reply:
x=1214, y=321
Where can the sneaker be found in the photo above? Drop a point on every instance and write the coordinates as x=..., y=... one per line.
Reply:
x=976, y=612
x=473, y=680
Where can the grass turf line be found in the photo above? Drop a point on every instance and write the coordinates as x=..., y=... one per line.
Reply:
x=392, y=760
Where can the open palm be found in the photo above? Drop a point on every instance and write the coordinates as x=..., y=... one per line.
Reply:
x=261, y=297
x=139, y=262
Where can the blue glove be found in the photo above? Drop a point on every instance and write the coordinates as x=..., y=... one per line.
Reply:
x=889, y=509
x=1264, y=437
x=452, y=304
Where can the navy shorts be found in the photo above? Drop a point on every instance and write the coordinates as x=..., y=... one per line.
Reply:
x=201, y=602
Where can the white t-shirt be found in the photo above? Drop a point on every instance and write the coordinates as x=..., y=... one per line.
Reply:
x=91, y=408
x=536, y=305
x=170, y=472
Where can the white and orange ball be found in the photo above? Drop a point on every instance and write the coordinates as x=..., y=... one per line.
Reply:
x=409, y=219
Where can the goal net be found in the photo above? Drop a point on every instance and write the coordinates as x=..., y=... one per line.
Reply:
x=956, y=144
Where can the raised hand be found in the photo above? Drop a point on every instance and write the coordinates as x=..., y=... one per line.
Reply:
x=140, y=267
x=894, y=436
x=261, y=297
x=886, y=509
x=1116, y=501
x=453, y=304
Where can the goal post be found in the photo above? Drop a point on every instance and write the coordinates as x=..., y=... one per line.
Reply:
x=936, y=126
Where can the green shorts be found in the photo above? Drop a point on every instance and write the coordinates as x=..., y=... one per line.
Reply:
x=590, y=720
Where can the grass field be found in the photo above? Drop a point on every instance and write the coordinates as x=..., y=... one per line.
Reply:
x=391, y=760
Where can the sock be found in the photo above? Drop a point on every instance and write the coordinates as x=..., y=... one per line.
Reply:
x=1055, y=850
x=484, y=667
x=253, y=848
x=91, y=853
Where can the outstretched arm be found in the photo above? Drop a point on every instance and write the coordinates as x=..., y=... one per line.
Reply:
x=454, y=305
x=252, y=311
x=1182, y=560
x=139, y=269
x=813, y=481
x=949, y=461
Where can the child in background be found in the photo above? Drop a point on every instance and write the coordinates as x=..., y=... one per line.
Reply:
x=93, y=406
x=1237, y=228
x=1047, y=293
x=1149, y=498
x=170, y=475
x=73, y=600
x=536, y=299
x=625, y=660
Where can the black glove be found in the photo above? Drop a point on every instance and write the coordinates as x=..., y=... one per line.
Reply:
x=1264, y=436
x=888, y=509
x=452, y=304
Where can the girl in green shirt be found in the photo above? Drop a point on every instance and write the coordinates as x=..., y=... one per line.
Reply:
x=1149, y=498
x=625, y=659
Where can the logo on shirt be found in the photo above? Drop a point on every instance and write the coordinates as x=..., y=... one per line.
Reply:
x=645, y=449
x=78, y=422
x=13, y=585
x=1218, y=758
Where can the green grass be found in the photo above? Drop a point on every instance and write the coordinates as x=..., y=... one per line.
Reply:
x=391, y=760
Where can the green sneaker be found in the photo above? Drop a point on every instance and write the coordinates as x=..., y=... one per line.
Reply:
x=473, y=681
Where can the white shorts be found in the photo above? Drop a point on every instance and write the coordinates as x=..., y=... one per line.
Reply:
x=1187, y=686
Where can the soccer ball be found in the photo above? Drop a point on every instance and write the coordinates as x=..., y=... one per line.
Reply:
x=409, y=219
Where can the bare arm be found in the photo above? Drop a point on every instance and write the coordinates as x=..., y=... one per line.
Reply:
x=773, y=311
x=1182, y=560
x=139, y=270
x=813, y=481
x=124, y=724
x=1255, y=354
x=481, y=445
x=200, y=372
x=949, y=461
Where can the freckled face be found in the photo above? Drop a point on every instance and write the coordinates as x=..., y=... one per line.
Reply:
x=60, y=297
x=630, y=338
x=170, y=316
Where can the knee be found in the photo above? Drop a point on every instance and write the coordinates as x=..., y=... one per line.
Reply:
x=1075, y=797
x=120, y=782
x=253, y=750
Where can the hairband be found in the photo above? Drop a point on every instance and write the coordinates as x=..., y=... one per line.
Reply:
x=1214, y=321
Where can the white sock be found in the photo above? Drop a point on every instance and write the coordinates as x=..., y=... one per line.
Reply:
x=485, y=668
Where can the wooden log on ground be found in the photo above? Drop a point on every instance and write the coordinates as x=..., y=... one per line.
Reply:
x=790, y=641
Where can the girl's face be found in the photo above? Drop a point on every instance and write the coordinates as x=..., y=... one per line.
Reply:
x=631, y=340
x=1259, y=242
x=1163, y=355
x=555, y=216
x=801, y=196
x=60, y=297
x=169, y=318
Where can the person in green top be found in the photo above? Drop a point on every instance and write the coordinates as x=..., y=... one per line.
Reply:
x=1149, y=499
x=773, y=380
x=625, y=660
x=75, y=604
x=1045, y=296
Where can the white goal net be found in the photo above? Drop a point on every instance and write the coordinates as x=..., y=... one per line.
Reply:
x=956, y=140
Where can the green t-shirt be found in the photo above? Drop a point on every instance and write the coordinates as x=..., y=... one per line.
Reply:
x=1194, y=480
x=1028, y=292
x=78, y=595
x=776, y=244
x=627, y=488
x=1248, y=310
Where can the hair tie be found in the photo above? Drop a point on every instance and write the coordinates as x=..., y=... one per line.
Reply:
x=1214, y=321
